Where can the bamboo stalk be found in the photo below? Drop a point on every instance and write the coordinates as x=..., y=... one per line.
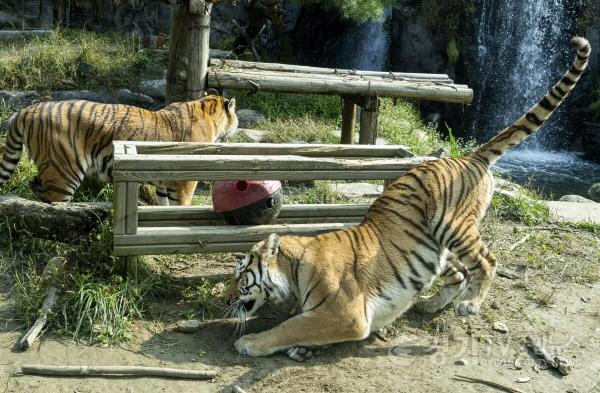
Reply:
x=85, y=371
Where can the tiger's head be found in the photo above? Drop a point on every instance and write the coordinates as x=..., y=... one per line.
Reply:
x=223, y=111
x=257, y=278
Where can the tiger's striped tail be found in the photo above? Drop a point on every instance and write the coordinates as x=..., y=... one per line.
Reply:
x=12, y=150
x=538, y=114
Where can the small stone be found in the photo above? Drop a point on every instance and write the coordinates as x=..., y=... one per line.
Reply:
x=500, y=327
x=518, y=365
x=460, y=362
x=523, y=379
x=489, y=341
x=188, y=326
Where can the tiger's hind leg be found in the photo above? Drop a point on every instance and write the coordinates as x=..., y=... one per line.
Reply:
x=456, y=278
x=481, y=265
x=56, y=189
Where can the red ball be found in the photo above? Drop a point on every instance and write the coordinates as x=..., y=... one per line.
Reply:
x=247, y=202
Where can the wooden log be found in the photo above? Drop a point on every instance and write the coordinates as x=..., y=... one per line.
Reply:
x=249, y=65
x=87, y=371
x=262, y=149
x=342, y=174
x=199, y=213
x=226, y=234
x=170, y=249
x=369, y=117
x=65, y=222
x=293, y=83
x=218, y=163
x=348, y=120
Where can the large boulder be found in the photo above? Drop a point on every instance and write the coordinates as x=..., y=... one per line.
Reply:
x=248, y=118
x=594, y=192
x=155, y=88
x=101, y=96
x=574, y=198
x=127, y=97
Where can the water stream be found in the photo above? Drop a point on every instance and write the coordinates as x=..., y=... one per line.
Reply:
x=522, y=49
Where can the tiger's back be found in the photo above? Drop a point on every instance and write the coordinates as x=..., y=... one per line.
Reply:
x=70, y=140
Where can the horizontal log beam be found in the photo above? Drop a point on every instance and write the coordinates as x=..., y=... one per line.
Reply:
x=169, y=249
x=279, y=67
x=147, y=176
x=294, y=83
x=159, y=216
x=218, y=235
x=307, y=150
x=219, y=163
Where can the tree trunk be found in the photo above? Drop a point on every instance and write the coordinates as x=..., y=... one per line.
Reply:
x=188, y=50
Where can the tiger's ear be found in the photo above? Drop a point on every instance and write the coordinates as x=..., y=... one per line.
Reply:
x=231, y=105
x=272, y=244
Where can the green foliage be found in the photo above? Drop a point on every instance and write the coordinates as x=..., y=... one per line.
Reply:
x=520, y=208
x=5, y=111
x=458, y=147
x=208, y=297
x=51, y=62
x=285, y=106
x=321, y=192
x=358, y=10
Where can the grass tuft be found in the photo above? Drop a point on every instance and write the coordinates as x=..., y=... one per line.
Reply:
x=520, y=208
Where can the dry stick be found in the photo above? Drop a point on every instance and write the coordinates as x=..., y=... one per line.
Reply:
x=84, y=371
x=558, y=363
x=54, y=267
x=497, y=385
x=33, y=333
x=517, y=244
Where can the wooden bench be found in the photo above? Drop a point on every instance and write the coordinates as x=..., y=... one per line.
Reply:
x=155, y=230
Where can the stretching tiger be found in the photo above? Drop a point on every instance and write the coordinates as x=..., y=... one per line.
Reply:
x=355, y=281
x=71, y=140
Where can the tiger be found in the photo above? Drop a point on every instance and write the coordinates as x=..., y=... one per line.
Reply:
x=72, y=140
x=353, y=282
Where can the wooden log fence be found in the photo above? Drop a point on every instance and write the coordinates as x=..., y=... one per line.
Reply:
x=153, y=230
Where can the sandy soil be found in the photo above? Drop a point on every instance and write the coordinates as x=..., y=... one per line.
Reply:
x=418, y=354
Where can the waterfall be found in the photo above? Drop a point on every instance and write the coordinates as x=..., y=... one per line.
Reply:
x=522, y=49
x=365, y=46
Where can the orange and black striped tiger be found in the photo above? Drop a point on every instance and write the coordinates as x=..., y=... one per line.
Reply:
x=355, y=281
x=71, y=140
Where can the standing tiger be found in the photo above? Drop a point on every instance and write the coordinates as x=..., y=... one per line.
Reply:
x=71, y=140
x=355, y=281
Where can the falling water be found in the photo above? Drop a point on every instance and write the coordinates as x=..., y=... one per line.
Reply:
x=365, y=46
x=522, y=49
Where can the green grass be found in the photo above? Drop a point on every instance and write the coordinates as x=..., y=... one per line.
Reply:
x=50, y=62
x=321, y=192
x=523, y=207
x=207, y=299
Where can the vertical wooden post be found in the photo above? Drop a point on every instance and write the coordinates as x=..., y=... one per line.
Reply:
x=348, y=120
x=188, y=50
x=131, y=215
x=368, y=121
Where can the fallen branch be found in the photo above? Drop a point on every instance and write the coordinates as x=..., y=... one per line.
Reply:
x=54, y=267
x=33, y=333
x=497, y=385
x=556, y=362
x=65, y=222
x=520, y=242
x=103, y=371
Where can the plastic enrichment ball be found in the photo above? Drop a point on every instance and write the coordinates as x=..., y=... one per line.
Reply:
x=247, y=202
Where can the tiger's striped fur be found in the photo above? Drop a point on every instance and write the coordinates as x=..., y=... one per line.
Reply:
x=71, y=140
x=355, y=281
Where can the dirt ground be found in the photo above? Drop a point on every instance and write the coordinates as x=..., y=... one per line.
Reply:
x=547, y=288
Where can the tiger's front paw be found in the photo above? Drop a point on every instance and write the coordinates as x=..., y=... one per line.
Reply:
x=300, y=354
x=466, y=308
x=251, y=345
